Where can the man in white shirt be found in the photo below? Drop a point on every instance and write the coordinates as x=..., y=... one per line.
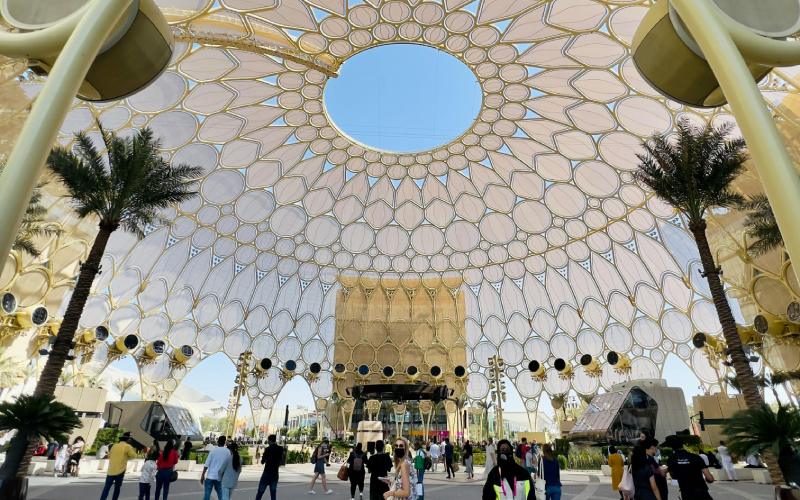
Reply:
x=435, y=454
x=215, y=464
x=727, y=461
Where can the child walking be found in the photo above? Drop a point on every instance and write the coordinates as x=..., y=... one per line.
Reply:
x=148, y=477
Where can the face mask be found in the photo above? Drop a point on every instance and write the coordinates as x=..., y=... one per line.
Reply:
x=502, y=457
x=399, y=452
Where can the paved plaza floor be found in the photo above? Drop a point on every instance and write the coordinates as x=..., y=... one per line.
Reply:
x=295, y=479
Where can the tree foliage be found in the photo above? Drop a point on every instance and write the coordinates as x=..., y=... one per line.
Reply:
x=38, y=416
x=693, y=171
x=763, y=429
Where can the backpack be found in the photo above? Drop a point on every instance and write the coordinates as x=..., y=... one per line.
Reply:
x=419, y=460
x=314, y=455
x=428, y=463
x=358, y=463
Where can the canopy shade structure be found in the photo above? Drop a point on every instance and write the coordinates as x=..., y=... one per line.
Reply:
x=533, y=211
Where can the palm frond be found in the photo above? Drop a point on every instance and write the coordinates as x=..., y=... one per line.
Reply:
x=34, y=223
x=787, y=376
x=761, y=225
x=39, y=416
x=130, y=187
x=693, y=171
x=758, y=429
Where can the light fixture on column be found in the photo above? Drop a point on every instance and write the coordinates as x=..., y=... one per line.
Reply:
x=620, y=362
x=122, y=346
x=537, y=370
x=182, y=355
x=662, y=37
x=152, y=351
x=591, y=366
x=563, y=368
x=135, y=53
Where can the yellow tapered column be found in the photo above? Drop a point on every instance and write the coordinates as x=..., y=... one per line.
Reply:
x=775, y=168
x=26, y=161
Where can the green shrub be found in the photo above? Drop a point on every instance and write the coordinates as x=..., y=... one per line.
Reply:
x=585, y=458
x=561, y=447
x=298, y=457
x=562, y=462
x=106, y=435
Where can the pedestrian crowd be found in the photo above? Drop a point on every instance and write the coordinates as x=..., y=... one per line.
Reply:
x=513, y=471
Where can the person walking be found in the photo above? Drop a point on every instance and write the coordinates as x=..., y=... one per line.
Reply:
x=187, y=448
x=148, y=476
x=644, y=480
x=379, y=465
x=491, y=457
x=659, y=472
x=230, y=472
x=467, y=449
x=420, y=456
x=507, y=480
x=356, y=463
x=75, y=454
x=727, y=461
x=689, y=470
x=213, y=468
x=272, y=459
x=117, y=464
x=436, y=454
x=165, y=462
x=320, y=459
x=617, y=464
x=405, y=477
x=448, y=458
x=551, y=473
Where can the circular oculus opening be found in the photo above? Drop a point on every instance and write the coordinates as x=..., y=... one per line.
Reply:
x=403, y=98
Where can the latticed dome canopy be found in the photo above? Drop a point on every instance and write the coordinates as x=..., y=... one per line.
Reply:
x=532, y=214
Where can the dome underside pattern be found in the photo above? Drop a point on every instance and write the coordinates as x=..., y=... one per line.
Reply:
x=561, y=252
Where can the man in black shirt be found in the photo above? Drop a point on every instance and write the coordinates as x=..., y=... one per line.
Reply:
x=272, y=459
x=689, y=470
x=379, y=465
x=448, y=458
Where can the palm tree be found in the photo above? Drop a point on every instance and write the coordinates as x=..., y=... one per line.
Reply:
x=763, y=381
x=783, y=378
x=34, y=223
x=123, y=385
x=33, y=417
x=761, y=225
x=693, y=173
x=127, y=188
x=764, y=430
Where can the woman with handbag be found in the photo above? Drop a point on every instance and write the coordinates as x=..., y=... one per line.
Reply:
x=551, y=473
x=165, y=463
x=404, y=485
x=617, y=464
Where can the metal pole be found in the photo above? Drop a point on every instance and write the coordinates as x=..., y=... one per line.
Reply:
x=775, y=168
x=30, y=153
x=241, y=381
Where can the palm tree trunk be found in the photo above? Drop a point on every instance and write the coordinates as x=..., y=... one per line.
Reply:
x=744, y=374
x=58, y=354
x=749, y=389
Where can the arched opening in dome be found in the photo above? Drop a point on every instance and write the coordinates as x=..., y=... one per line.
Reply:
x=403, y=97
x=205, y=390
x=296, y=395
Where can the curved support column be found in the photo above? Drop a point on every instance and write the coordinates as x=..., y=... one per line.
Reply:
x=775, y=168
x=85, y=38
x=399, y=410
x=426, y=412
